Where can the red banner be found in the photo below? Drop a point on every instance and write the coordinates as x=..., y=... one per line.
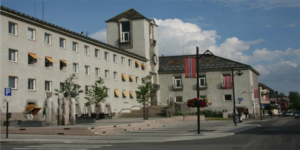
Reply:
x=190, y=67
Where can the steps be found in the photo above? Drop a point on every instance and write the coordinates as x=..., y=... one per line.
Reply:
x=153, y=112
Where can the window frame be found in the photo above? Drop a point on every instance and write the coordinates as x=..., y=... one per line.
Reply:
x=15, y=82
x=31, y=60
x=75, y=45
x=123, y=60
x=177, y=100
x=108, y=92
x=202, y=78
x=115, y=75
x=106, y=56
x=106, y=74
x=175, y=79
x=15, y=56
x=75, y=68
x=48, y=63
x=33, y=34
x=224, y=97
x=50, y=86
x=115, y=58
x=86, y=50
x=97, y=72
x=50, y=39
x=33, y=84
x=129, y=62
x=15, y=28
x=87, y=70
x=62, y=41
x=97, y=53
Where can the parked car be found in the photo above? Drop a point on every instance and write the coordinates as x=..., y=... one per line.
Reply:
x=289, y=113
x=297, y=114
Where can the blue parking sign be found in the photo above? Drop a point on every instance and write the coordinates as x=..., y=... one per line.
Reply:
x=7, y=91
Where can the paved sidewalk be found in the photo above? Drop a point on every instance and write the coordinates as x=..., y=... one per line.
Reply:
x=185, y=130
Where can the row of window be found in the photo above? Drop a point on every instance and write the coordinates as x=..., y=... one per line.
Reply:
x=62, y=44
x=178, y=99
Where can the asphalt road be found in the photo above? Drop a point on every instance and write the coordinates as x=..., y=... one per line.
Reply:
x=282, y=133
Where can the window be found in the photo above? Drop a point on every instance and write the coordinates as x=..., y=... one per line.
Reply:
x=12, y=28
x=143, y=66
x=124, y=94
x=106, y=56
x=32, y=58
x=75, y=68
x=129, y=62
x=31, y=84
x=87, y=70
x=48, y=39
x=62, y=64
x=13, y=82
x=61, y=87
x=117, y=93
x=107, y=92
x=75, y=47
x=48, y=86
x=137, y=64
x=178, y=99
x=123, y=60
x=115, y=76
x=124, y=77
x=48, y=62
x=177, y=82
x=106, y=74
x=131, y=94
x=97, y=72
x=62, y=43
x=202, y=81
x=97, y=53
x=31, y=34
x=86, y=89
x=115, y=58
x=227, y=97
x=86, y=50
x=136, y=79
x=12, y=55
x=125, y=31
x=130, y=78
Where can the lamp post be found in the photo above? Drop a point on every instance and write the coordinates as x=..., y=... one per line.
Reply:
x=239, y=73
x=207, y=53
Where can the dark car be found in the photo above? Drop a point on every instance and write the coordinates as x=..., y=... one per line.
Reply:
x=297, y=114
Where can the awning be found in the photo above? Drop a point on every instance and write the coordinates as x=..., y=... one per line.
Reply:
x=144, y=66
x=50, y=59
x=137, y=63
x=131, y=94
x=130, y=76
x=117, y=92
x=124, y=76
x=33, y=55
x=31, y=108
x=64, y=61
x=124, y=93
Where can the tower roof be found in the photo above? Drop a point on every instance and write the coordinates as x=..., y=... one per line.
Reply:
x=130, y=14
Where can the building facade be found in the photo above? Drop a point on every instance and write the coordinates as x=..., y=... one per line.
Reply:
x=213, y=73
x=37, y=56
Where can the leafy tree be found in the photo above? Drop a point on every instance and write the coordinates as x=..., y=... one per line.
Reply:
x=96, y=93
x=295, y=99
x=281, y=94
x=145, y=92
x=70, y=89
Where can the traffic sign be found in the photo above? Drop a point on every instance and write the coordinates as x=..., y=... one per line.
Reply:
x=7, y=91
x=240, y=99
x=7, y=98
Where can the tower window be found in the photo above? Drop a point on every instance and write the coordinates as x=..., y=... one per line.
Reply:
x=125, y=31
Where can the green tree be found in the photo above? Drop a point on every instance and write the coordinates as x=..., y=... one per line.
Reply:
x=96, y=93
x=144, y=93
x=281, y=95
x=295, y=99
x=70, y=89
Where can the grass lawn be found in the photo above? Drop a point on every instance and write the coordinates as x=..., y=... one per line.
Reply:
x=214, y=118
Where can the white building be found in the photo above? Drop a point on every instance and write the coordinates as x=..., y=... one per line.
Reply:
x=37, y=56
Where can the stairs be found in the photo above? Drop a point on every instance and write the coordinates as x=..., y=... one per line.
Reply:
x=153, y=111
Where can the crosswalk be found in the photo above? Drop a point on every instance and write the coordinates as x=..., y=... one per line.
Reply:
x=61, y=147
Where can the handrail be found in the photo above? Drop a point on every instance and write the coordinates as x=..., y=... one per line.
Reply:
x=129, y=108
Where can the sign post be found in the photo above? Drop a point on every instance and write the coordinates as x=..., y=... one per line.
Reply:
x=7, y=92
x=240, y=99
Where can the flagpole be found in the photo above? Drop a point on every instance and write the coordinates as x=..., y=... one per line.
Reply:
x=198, y=91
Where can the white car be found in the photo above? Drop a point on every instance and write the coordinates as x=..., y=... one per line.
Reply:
x=289, y=113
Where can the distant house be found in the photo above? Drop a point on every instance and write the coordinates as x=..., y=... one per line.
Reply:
x=214, y=71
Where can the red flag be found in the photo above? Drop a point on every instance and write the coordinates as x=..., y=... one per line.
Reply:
x=190, y=67
x=227, y=82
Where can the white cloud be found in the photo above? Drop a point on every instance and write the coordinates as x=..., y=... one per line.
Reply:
x=268, y=26
x=99, y=35
x=262, y=70
x=294, y=24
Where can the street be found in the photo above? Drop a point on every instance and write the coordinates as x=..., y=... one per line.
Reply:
x=282, y=133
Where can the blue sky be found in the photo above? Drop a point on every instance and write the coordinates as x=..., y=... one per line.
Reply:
x=261, y=33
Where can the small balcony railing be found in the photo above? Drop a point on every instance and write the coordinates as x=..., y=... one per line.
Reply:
x=177, y=87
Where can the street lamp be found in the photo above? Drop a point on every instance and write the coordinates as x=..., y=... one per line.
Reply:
x=239, y=73
x=207, y=53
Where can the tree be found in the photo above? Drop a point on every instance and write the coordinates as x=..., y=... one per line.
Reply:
x=295, y=99
x=281, y=95
x=96, y=94
x=70, y=89
x=145, y=92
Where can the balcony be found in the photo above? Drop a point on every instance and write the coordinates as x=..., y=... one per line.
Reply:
x=177, y=88
x=155, y=86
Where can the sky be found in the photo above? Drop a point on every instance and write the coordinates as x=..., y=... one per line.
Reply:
x=262, y=33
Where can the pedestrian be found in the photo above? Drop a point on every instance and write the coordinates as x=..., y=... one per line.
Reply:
x=270, y=113
x=246, y=113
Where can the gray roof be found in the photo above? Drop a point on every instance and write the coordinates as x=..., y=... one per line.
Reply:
x=130, y=14
x=175, y=64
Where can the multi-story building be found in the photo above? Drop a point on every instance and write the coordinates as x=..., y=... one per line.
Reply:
x=37, y=56
x=214, y=71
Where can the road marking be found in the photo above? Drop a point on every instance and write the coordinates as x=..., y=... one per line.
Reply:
x=62, y=146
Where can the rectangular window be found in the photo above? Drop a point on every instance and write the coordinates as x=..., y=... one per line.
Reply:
x=117, y=93
x=202, y=81
x=115, y=75
x=177, y=82
x=97, y=53
x=62, y=43
x=75, y=68
x=97, y=72
x=86, y=89
x=75, y=47
x=62, y=64
x=61, y=87
x=143, y=66
x=131, y=94
x=31, y=34
x=12, y=55
x=178, y=99
x=31, y=84
x=124, y=94
x=12, y=28
x=125, y=31
x=48, y=86
x=123, y=60
x=86, y=50
x=13, y=82
x=131, y=78
x=137, y=64
x=87, y=70
x=136, y=79
x=48, y=62
x=115, y=58
x=107, y=92
x=32, y=58
x=227, y=97
x=106, y=56
x=48, y=39
x=106, y=74
x=129, y=62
